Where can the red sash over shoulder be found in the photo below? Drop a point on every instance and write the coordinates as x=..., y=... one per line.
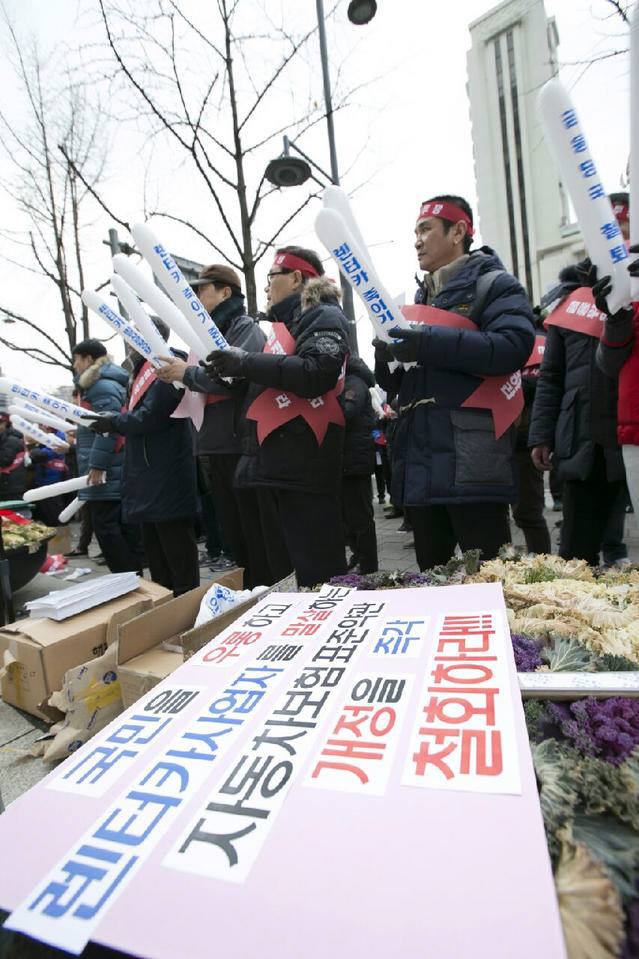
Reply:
x=273, y=408
x=502, y=395
x=578, y=313
x=142, y=382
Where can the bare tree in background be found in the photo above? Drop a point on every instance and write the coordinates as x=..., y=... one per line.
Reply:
x=47, y=186
x=205, y=94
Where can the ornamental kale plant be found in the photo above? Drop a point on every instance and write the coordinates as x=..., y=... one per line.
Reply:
x=606, y=728
x=527, y=655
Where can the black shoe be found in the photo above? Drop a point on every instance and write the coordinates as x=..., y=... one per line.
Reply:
x=393, y=512
x=405, y=527
x=409, y=545
x=221, y=564
x=78, y=552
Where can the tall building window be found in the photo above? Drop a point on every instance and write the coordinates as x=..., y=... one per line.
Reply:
x=501, y=93
x=521, y=183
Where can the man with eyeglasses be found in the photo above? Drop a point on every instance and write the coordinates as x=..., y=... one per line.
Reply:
x=454, y=471
x=218, y=444
x=294, y=427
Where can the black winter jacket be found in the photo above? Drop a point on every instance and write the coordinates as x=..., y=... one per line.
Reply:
x=158, y=483
x=443, y=453
x=220, y=430
x=359, y=445
x=575, y=404
x=14, y=481
x=289, y=457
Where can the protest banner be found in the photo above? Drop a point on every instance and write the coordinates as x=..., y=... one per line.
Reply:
x=338, y=772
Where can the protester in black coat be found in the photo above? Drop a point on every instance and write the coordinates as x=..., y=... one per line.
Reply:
x=13, y=475
x=218, y=442
x=453, y=477
x=158, y=481
x=296, y=473
x=573, y=430
x=359, y=464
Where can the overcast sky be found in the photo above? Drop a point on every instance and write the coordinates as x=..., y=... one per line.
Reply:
x=406, y=134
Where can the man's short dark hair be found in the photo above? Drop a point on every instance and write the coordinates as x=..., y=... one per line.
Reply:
x=162, y=328
x=309, y=255
x=619, y=198
x=90, y=347
x=463, y=205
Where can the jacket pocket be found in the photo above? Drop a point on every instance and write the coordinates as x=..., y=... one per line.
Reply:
x=480, y=459
x=565, y=431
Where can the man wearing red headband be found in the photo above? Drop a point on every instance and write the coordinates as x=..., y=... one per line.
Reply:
x=573, y=428
x=293, y=431
x=454, y=478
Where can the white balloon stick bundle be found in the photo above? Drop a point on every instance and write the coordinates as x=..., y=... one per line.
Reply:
x=355, y=266
x=55, y=489
x=141, y=319
x=334, y=198
x=128, y=333
x=634, y=139
x=53, y=404
x=28, y=411
x=35, y=433
x=159, y=303
x=602, y=235
x=179, y=289
x=69, y=511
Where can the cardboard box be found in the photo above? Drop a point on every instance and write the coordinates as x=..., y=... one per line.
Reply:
x=36, y=653
x=154, y=644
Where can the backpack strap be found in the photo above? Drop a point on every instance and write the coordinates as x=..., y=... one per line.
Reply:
x=484, y=285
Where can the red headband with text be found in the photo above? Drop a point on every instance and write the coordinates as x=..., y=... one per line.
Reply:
x=445, y=211
x=620, y=211
x=290, y=262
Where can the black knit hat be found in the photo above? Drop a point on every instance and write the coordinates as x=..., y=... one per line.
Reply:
x=90, y=347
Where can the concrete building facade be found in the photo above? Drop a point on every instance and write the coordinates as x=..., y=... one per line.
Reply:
x=523, y=208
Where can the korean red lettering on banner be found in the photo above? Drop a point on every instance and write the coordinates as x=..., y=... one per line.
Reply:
x=358, y=752
x=502, y=395
x=464, y=739
x=226, y=835
x=143, y=381
x=578, y=313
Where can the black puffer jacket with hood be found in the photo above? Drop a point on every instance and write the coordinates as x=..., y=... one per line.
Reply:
x=290, y=456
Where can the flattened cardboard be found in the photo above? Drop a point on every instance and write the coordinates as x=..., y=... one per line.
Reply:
x=36, y=653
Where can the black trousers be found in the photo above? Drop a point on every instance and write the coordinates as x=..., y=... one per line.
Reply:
x=238, y=514
x=588, y=505
x=171, y=551
x=359, y=521
x=120, y=542
x=302, y=532
x=86, y=529
x=382, y=472
x=528, y=512
x=439, y=528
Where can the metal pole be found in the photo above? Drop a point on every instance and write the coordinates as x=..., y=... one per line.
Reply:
x=347, y=292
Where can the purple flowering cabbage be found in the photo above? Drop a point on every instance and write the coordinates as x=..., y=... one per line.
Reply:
x=526, y=650
x=606, y=728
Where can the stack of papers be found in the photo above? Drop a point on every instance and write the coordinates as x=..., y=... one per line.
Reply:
x=62, y=603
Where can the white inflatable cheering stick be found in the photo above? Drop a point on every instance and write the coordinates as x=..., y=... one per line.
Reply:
x=128, y=333
x=602, y=235
x=634, y=140
x=159, y=303
x=355, y=266
x=55, y=489
x=52, y=404
x=178, y=288
x=35, y=433
x=70, y=510
x=32, y=413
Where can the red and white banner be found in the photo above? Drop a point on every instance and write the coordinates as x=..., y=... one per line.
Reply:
x=578, y=313
x=273, y=408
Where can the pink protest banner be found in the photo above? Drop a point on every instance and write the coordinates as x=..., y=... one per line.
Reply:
x=260, y=804
x=578, y=313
